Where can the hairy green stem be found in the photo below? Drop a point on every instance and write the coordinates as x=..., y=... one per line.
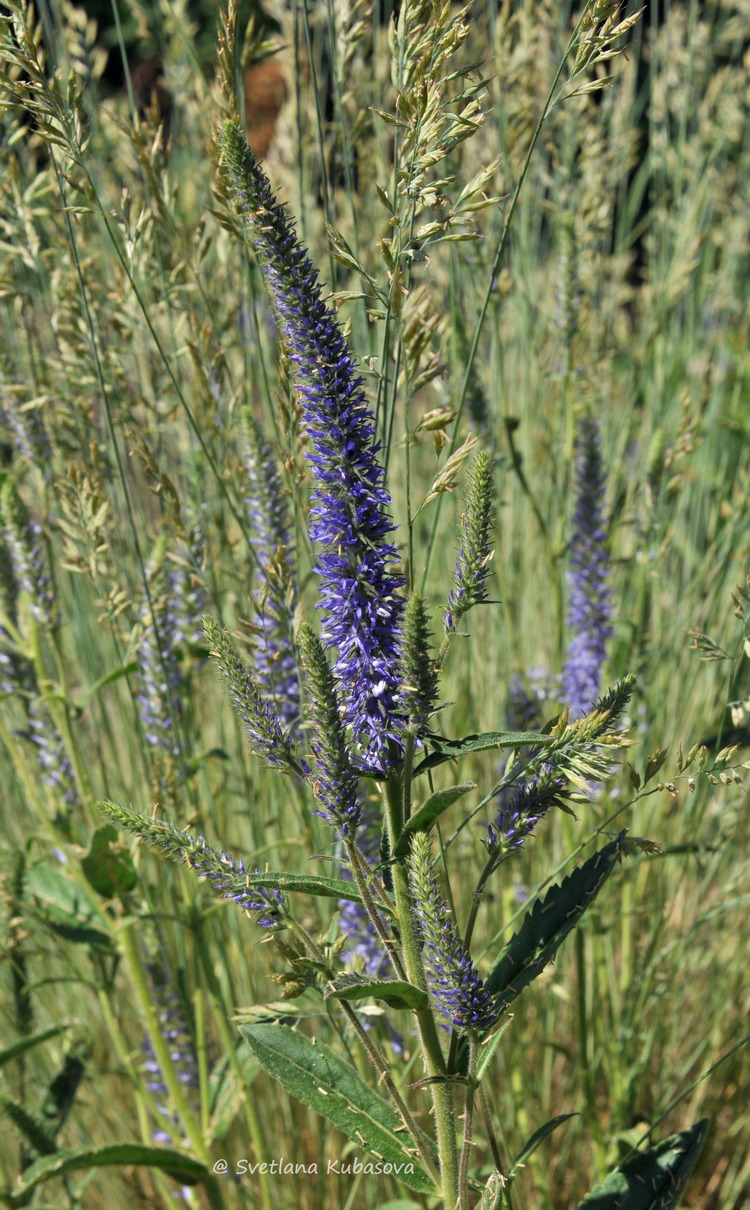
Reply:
x=468, y=1124
x=378, y=1058
x=442, y=1092
x=360, y=877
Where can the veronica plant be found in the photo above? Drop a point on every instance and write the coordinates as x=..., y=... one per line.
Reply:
x=275, y=597
x=370, y=690
x=170, y=615
x=590, y=604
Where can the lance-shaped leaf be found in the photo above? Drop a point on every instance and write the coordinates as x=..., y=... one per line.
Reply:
x=319, y=1078
x=653, y=1179
x=549, y=922
x=182, y=1167
x=431, y=810
x=395, y=992
x=23, y=1044
x=535, y=1139
x=306, y=884
x=449, y=749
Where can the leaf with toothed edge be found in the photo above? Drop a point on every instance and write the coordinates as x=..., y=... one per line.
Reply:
x=318, y=1077
x=548, y=923
x=394, y=992
x=449, y=749
x=653, y=1179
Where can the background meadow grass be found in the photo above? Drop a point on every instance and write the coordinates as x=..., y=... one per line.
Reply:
x=135, y=329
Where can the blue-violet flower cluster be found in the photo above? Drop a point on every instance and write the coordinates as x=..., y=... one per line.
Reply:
x=452, y=977
x=171, y=618
x=349, y=515
x=228, y=876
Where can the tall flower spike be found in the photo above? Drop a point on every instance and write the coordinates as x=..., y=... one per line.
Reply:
x=349, y=515
x=186, y=596
x=452, y=978
x=473, y=562
x=418, y=675
x=56, y=770
x=26, y=428
x=170, y=617
x=227, y=876
x=334, y=776
x=590, y=602
x=275, y=597
x=28, y=557
x=266, y=735
x=15, y=668
x=174, y=1027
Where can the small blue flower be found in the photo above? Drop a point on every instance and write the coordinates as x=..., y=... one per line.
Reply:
x=518, y=813
x=227, y=875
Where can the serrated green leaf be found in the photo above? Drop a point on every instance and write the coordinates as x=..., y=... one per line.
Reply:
x=549, y=922
x=23, y=1044
x=64, y=907
x=319, y=1078
x=536, y=1138
x=492, y=1194
x=182, y=1167
x=307, y=884
x=395, y=992
x=29, y=1125
x=653, y=1179
x=449, y=749
x=431, y=810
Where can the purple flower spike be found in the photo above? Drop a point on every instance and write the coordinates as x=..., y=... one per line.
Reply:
x=227, y=875
x=276, y=596
x=349, y=517
x=518, y=814
x=453, y=979
x=590, y=604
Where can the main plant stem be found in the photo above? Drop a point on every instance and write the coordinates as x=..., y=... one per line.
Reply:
x=442, y=1092
x=377, y=1057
